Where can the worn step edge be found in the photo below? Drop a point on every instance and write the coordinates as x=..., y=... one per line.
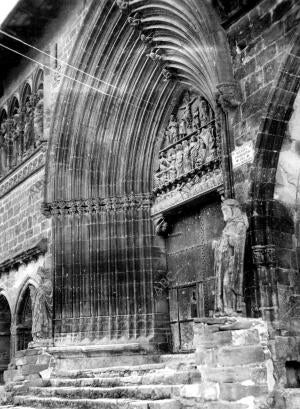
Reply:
x=97, y=403
x=110, y=369
x=141, y=392
x=165, y=377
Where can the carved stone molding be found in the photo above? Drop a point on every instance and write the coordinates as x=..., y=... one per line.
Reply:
x=97, y=205
x=34, y=163
x=229, y=95
x=264, y=255
x=25, y=256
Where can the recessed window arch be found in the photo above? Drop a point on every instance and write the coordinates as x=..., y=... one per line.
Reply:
x=24, y=320
x=39, y=81
x=26, y=93
x=14, y=106
x=5, y=338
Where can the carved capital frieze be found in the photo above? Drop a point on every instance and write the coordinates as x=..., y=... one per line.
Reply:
x=264, y=255
x=97, y=205
x=229, y=95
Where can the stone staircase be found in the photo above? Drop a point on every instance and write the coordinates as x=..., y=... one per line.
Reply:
x=230, y=369
x=149, y=386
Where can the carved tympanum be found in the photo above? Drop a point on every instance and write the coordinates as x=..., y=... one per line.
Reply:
x=229, y=259
x=189, y=160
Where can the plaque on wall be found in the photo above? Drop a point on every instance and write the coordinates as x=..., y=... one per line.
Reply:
x=242, y=154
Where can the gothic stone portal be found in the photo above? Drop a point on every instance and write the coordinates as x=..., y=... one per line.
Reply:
x=190, y=263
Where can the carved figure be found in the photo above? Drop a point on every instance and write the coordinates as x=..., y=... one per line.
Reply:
x=182, y=128
x=187, y=165
x=198, y=151
x=209, y=140
x=229, y=259
x=179, y=160
x=122, y=4
x=3, y=146
x=166, y=74
x=28, y=126
x=172, y=161
x=154, y=55
x=146, y=39
x=173, y=129
x=196, y=119
x=162, y=173
x=203, y=112
x=38, y=119
x=187, y=114
x=42, y=308
x=134, y=20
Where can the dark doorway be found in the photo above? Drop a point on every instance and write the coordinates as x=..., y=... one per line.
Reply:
x=5, y=323
x=191, y=269
x=24, y=322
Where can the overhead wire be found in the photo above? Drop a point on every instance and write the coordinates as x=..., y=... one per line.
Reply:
x=67, y=65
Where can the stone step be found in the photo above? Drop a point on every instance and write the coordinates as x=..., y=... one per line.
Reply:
x=111, y=371
x=228, y=405
x=164, y=377
x=49, y=403
x=228, y=356
x=292, y=398
x=236, y=391
x=251, y=372
x=144, y=392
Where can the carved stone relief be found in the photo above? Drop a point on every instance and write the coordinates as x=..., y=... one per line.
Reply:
x=21, y=132
x=189, y=160
x=229, y=260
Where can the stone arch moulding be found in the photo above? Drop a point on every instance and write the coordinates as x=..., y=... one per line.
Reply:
x=102, y=153
x=265, y=211
x=26, y=283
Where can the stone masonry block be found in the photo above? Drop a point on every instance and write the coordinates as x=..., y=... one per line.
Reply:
x=243, y=355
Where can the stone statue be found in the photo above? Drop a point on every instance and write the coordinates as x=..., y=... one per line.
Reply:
x=173, y=129
x=38, y=119
x=42, y=301
x=229, y=259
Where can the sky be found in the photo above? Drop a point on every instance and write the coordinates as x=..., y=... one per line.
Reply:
x=5, y=7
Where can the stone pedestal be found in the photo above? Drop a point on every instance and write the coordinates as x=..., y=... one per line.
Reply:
x=234, y=360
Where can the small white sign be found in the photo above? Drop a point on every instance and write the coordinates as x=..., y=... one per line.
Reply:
x=242, y=154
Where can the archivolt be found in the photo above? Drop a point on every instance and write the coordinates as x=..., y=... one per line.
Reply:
x=103, y=143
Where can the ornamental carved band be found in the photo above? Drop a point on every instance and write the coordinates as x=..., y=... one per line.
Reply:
x=97, y=205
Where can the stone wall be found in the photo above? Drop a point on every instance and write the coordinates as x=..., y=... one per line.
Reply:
x=258, y=44
x=22, y=224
